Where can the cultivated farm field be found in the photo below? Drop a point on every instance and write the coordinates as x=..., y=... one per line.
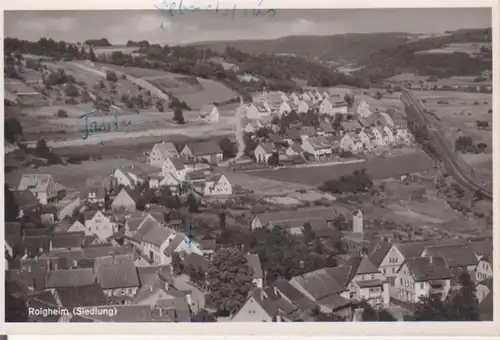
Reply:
x=469, y=48
x=377, y=168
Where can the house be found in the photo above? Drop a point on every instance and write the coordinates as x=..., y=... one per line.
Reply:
x=118, y=278
x=326, y=288
x=326, y=128
x=81, y=296
x=378, y=139
x=284, y=108
x=328, y=108
x=351, y=142
x=484, y=268
x=295, y=149
x=456, y=256
x=67, y=241
x=403, y=136
x=209, y=151
x=253, y=126
x=168, y=180
x=124, y=202
x=307, y=132
x=364, y=110
x=483, y=288
x=294, y=98
x=162, y=151
x=351, y=125
x=263, y=152
x=78, y=226
x=258, y=110
x=366, y=141
x=217, y=185
x=42, y=186
x=176, y=166
x=209, y=113
x=61, y=278
x=258, y=308
x=126, y=178
x=317, y=146
x=99, y=224
x=94, y=195
x=48, y=214
x=254, y=264
x=398, y=254
x=422, y=277
x=389, y=134
x=294, y=218
x=304, y=106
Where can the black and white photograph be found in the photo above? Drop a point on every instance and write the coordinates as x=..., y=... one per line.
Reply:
x=198, y=164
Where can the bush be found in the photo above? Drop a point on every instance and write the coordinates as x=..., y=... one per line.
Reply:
x=179, y=116
x=71, y=90
x=464, y=144
x=62, y=113
x=358, y=181
x=111, y=76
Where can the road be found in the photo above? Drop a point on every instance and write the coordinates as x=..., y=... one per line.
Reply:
x=449, y=157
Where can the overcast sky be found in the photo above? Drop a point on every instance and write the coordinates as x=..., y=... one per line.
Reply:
x=120, y=26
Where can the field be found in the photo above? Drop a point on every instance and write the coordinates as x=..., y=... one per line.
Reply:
x=74, y=176
x=377, y=168
x=469, y=48
x=451, y=81
x=263, y=186
x=194, y=91
x=115, y=48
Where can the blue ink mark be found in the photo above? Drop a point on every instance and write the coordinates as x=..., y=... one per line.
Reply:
x=95, y=128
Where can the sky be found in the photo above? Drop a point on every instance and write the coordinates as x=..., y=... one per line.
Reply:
x=165, y=27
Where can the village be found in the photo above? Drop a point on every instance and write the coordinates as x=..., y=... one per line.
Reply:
x=134, y=242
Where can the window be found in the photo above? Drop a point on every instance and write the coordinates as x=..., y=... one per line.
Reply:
x=373, y=276
x=401, y=281
x=421, y=285
x=393, y=270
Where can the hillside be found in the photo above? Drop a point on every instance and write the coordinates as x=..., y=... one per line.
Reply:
x=342, y=48
x=450, y=55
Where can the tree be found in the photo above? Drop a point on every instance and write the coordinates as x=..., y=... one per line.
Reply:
x=349, y=99
x=229, y=280
x=111, y=76
x=11, y=205
x=309, y=234
x=159, y=106
x=222, y=220
x=42, y=150
x=431, y=308
x=71, y=90
x=179, y=116
x=229, y=149
x=371, y=314
x=464, y=144
x=177, y=265
x=203, y=316
x=12, y=130
x=481, y=147
x=464, y=305
x=62, y=113
x=192, y=203
x=378, y=95
x=273, y=160
x=16, y=309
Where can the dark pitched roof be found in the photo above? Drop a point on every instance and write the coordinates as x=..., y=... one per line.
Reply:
x=68, y=240
x=34, y=279
x=45, y=301
x=360, y=265
x=145, y=273
x=454, y=255
x=36, y=245
x=93, y=252
x=290, y=292
x=254, y=264
x=70, y=278
x=414, y=248
x=428, y=268
x=118, y=272
x=178, y=239
x=319, y=283
x=90, y=295
x=204, y=148
x=378, y=253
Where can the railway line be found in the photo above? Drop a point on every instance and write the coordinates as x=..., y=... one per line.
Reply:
x=448, y=154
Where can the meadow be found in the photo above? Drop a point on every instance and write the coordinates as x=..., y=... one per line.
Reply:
x=377, y=168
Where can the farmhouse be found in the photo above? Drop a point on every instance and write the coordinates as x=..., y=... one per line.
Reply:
x=317, y=146
x=304, y=106
x=295, y=149
x=217, y=185
x=209, y=113
x=208, y=151
x=42, y=186
x=162, y=151
x=422, y=277
x=152, y=239
x=364, y=110
x=456, y=256
x=294, y=98
x=168, y=180
x=284, y=108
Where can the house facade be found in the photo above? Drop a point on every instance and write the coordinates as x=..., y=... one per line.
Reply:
x=99, y=224
x=162, y=151
x=41, y=185
x=317, y=146
x=484, y=269
x=263, y=152
x=209, y=113
x=203, y=152
x=174, y=166
x=124, y=202
x=217, y=185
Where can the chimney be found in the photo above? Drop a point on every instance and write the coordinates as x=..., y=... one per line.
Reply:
x=430, y=259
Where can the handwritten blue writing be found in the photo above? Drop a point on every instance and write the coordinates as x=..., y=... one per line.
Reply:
x=171, y=8
x=94, y=127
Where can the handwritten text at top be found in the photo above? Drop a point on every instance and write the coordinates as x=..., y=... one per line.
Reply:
x=171, y=8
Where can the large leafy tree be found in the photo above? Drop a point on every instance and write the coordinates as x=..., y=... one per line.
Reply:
x=229, y=280
x=371, y=314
